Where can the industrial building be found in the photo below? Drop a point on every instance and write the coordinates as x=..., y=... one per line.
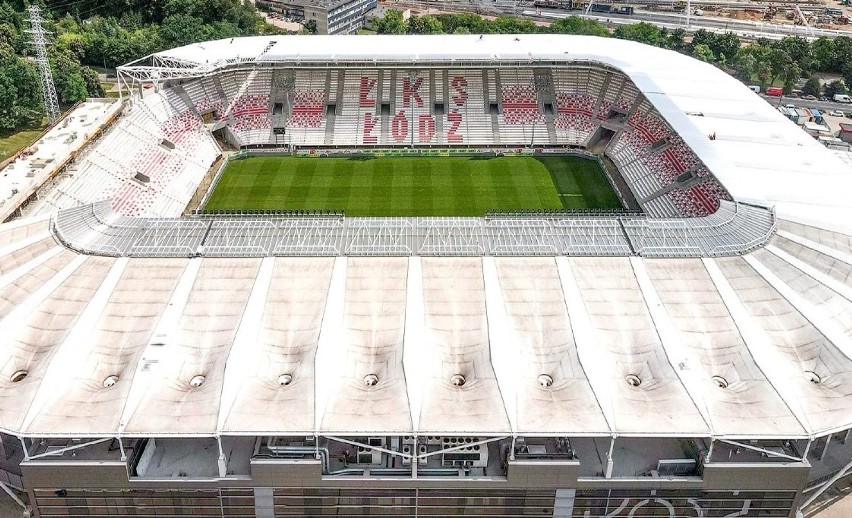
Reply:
x=330, y=16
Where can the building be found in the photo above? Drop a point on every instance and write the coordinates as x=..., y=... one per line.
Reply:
x=691, y=360
x=845, y=132
x=330, y=16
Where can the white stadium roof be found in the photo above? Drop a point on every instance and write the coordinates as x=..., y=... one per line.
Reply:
x=768, y=323
x=757, y=154
x=748, y=346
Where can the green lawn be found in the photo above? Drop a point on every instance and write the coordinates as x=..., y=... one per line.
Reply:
x=412, y=186
x=14, y=142
x=108, y=90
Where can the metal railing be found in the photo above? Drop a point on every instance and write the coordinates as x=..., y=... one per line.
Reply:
x=735, y=229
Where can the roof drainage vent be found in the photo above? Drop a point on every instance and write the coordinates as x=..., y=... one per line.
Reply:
x=545, y=380
x=370, y=380
x=457, y=380
x=19, y=375
x=197, y=381
x=813, y=377
x=720, y=381
x=110, y=381
x=284, y=379
x=633, y=380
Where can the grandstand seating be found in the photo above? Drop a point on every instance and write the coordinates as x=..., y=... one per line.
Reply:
x=412, y=116
x=701, y=199
x=356, y=124
x=135, y=146
x=651, y=157
x=386, y=107
x=576, y=94
x=466, y=120
x=521, y=119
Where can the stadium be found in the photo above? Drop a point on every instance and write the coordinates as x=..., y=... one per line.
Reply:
x=425, y=276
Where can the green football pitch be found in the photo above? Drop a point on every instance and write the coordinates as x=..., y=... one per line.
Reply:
x=412, y=186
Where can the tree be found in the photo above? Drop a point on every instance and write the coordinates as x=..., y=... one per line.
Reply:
x=511, y=25
x=473, y=24
x=7, y=34
x=812, y=86
x=20, y=93
x=676, y=40
x=73, y=82
x=842, y=55
x=780, y=63
x=576, y=25
x=73, y=43
x=702, y=37
x=703, y=52
x=790, y=79
x=726, y=44
x=642, y=32
x=799, y=50
x=310, y=27
x=822, y=54
x=391, y=23
x=424, y=24
x=835, y=87
x=179, y=30
x=746, y=66
x=764, y=74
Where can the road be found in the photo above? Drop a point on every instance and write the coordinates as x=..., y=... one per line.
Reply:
x=743, y=28
x=802, y=103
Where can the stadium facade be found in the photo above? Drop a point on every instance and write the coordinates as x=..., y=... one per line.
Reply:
x=690, y=358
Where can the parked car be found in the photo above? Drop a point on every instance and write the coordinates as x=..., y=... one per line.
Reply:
x=809, y=97
x=836, y=113
x=849, y=115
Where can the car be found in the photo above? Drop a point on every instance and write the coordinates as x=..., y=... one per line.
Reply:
x=836, y=113
x=849, y=115
x=790, y=106
x=809, y=97
x=824, y=99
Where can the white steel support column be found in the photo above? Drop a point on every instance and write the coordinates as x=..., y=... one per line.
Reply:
x=222, y=460
x=807, y=448
x=609, y=462
x=26, y=449
x=121, y=448
x=825, y=448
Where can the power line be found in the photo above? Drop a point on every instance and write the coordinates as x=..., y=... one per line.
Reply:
x=48, y=89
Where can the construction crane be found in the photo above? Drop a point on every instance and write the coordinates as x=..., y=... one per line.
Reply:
x=804, y=20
